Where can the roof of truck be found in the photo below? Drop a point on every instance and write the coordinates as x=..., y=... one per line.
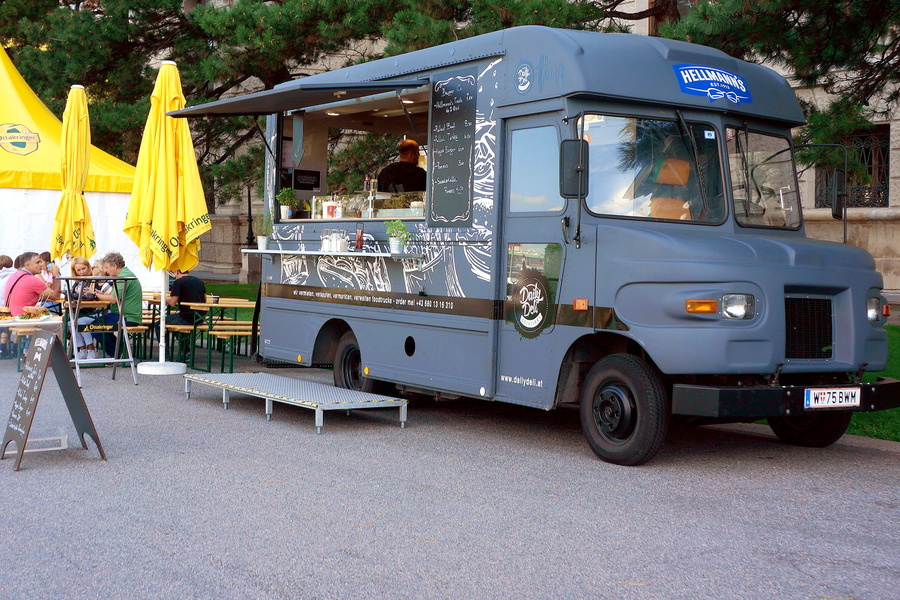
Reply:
x=541, y=63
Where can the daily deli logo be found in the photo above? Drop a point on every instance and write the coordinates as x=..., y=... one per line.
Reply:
x=18, y=139
x=524, y=77
x=713, y=83
x=531, y=304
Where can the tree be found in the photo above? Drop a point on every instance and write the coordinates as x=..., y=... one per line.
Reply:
x=851, y=47
x=111, y=47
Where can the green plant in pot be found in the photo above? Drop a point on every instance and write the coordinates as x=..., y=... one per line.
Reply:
x=398, y=235
x=288, y=201
x=262, y=226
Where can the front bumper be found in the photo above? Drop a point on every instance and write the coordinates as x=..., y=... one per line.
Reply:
x=772, y=401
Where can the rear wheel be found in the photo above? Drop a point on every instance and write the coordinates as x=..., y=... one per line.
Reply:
x=624, y=410
x=348, y=371
x=815, y=430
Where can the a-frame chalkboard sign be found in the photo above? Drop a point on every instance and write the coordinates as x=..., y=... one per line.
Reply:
x=46, y=350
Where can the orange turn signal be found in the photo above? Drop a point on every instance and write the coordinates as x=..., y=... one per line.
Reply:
x=701, y=306
x=580, y=304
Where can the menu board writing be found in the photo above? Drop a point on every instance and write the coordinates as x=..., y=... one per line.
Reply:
x=33, y=371
x=45, y=350
x=451, y=145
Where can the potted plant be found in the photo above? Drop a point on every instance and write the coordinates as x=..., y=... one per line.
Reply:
x=287, y=200
x=397, y=234
x=262, y=225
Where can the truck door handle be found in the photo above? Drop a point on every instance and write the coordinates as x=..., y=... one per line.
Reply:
x=565, y=229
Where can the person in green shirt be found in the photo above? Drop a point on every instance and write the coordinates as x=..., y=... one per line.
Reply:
x=113, y=265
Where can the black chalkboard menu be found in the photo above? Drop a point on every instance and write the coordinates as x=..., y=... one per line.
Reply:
x=45, y=350
x=451, y=148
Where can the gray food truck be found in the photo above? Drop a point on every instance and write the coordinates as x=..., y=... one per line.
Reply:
x=610, y=221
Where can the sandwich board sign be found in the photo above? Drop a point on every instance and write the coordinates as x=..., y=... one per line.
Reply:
x=46, y=351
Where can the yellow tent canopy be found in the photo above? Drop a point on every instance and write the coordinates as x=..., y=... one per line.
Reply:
x=30, y=138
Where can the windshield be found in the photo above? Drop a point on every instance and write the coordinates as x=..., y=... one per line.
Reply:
x=655, y=169
x=763, y=182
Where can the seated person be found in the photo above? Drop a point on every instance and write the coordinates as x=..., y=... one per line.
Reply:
x=405, y=175
x=83, y=341
x=186, y=288
x=50, y=274
x=25, y=288
x=132, y=304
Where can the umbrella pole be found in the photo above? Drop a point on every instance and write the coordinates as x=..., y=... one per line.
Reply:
x=162, y=367
x=162, y=315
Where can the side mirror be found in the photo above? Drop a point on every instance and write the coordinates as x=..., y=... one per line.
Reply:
x=573, y=169
x=837, y=193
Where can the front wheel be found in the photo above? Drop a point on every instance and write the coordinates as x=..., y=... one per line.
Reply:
x=624, y=410
x=348, y=371
x=815, y=430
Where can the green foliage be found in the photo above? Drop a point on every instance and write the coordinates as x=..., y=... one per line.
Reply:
x=832, y=126
x=397, y=229
x=852, y=48
x=356, y=154
x=262, y=224
x=232, y=177
x=287, y=197
x=884, y=425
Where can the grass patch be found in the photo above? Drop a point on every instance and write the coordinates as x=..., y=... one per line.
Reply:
x=232, y=290
x=885, y=424
x=235, y=290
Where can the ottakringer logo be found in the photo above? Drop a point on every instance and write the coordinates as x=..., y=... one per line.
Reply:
x=531, y=304
x=18, y=139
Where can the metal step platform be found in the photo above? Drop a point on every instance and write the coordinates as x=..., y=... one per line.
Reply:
x=297, y=392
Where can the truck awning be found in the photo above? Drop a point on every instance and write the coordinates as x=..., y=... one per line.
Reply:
x=294, y=95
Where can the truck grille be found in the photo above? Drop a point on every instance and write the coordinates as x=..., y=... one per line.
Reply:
x=808, y=328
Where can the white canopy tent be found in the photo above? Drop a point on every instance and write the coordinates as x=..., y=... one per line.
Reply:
x=30, y=163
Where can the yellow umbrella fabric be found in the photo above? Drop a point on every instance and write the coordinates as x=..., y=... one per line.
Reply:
x=167, y=213
x=72, y=229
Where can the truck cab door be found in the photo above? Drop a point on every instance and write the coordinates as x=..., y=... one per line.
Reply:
x=533, y=261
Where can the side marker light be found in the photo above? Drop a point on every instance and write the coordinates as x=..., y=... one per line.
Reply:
x=701, y=306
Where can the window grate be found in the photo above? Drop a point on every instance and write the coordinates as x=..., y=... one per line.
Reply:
x=872, y=147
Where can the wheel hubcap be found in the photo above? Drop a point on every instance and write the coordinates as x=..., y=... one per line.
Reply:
x=614, y=412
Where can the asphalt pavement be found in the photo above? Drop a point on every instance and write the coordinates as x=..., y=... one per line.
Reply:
x=471, y=500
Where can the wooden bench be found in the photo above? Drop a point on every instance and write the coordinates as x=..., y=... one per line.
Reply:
x=187, y=339
x=139, y=333
x=23, y=334
x=229, y=338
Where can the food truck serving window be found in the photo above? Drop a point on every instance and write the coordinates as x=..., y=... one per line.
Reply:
x=654, y=169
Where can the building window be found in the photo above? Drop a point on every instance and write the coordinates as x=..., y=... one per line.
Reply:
x=873, y=148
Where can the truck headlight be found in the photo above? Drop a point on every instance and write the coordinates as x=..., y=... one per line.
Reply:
x=873, y=309
x=738, y=306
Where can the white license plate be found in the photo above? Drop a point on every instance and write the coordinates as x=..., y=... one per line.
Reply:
x=831, y=397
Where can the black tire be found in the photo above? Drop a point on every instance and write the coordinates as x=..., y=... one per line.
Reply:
x=348, y=366
x=813, y=430
x=624, y=410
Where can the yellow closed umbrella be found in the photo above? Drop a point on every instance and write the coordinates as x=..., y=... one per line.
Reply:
x=72, y=229
x=167, y=213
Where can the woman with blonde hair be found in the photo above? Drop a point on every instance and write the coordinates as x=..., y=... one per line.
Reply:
x=81, y=267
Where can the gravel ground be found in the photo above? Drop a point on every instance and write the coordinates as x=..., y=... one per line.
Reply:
x=471, y=500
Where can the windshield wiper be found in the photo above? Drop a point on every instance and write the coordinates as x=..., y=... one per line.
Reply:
x=688, y=134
